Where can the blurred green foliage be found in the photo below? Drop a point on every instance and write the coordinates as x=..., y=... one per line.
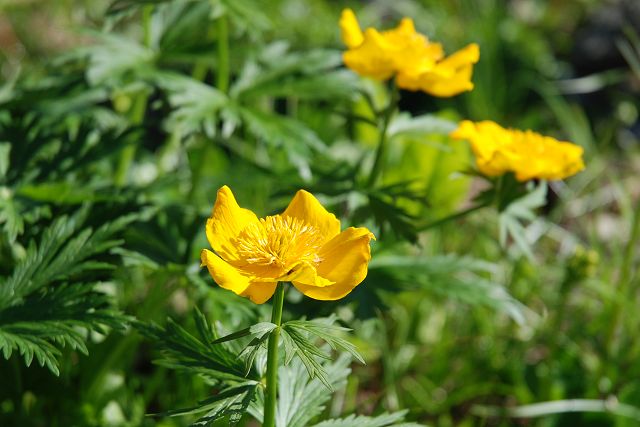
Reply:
x=119, y=120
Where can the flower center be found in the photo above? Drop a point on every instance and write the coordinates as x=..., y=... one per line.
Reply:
x=279, y=241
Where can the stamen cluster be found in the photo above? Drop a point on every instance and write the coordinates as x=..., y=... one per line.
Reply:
x=279, y=241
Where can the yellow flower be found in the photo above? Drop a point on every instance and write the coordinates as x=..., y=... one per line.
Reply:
x=303, y=245
x=448, y=77
x=417, y=63
x=527, y=154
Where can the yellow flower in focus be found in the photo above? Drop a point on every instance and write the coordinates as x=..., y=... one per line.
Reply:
x=303, y=245
x=417, y=63
x=527, y=154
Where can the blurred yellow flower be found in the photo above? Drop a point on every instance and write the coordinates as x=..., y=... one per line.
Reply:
x=408, y=55
x=303, y=245
x=527, y=154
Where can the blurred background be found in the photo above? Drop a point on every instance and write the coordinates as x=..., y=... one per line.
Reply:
x=115, y=107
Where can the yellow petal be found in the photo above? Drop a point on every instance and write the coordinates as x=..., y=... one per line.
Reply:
x=231, y=278
x=373, y=58
x=260, y=292
x=225, y=275
x=308, y=209
x=344, y=260
x=226, y=222
x=350, y=29
x=469, y=54
x=449, y=77
x=410, y=49
x=304, y=273
x=466, y=130
x=527, y=154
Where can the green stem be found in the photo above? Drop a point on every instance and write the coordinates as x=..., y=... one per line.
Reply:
x=499, y=185
x=629, y=252
x=389, y=373
x=222, y=84
x=200, y=69
x=222, y=76
x=147, y=11
x=624, y=284
x=138, y=110
x=272, y=360
x=376, y=169
x=128, y=153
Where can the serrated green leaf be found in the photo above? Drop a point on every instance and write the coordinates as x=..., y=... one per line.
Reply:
x=196, y=104
x=250, y=352
x=289, y=346
x=327, y=331
x=385, y=420
x=301, y=399
x=258, y=329
x=307, y=352
x=516, y=212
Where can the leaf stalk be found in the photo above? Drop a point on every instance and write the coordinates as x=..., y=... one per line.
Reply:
x=386, y=115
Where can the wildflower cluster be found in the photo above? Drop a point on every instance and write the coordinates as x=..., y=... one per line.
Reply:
x=304, y=246
x=527, y=154
x=419, y=64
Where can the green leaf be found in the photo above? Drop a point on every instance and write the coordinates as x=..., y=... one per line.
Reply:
x=385, y=420
x=42, y=308
x=229, y=402
x=28, y=346
x=300, y=398
x=428, y=124
x=247, y=15
x=522, y=209
x=10, y=215
x=331, y=85
x=115, y=59
x=195, y=104
x=250, y=352
x=309, y=354
x=286, y=134
x=289, y=346
x=391, y=207
x=280, y=130
x=464, y=278
x=120, y=6
x=193, y=354
x=61, y=193
x=58, y=256
x=327, y=331
x=263, y=75
x=422, y=152
x=223, y=368
x=544, y=409
x=258, y=329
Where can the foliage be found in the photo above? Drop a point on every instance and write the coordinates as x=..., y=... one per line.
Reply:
x=486, y=302
x=49, y=299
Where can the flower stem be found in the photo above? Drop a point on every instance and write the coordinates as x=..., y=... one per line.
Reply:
x=387, y=113
x=138, y=109
x=222, y=74
x=272, y=360
x=625, y=296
